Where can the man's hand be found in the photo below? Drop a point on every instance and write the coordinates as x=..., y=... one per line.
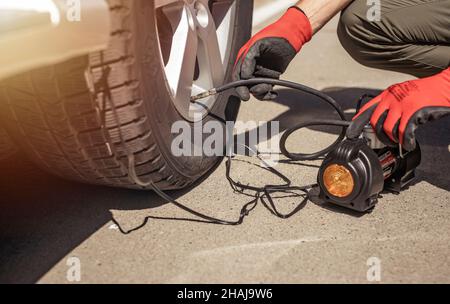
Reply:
x=396, y=113
x=269, y=52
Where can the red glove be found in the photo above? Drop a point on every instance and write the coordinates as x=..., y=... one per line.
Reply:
x=268, y=53
x=396, y=113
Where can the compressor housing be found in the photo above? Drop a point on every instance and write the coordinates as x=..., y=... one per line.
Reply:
x=353, y=175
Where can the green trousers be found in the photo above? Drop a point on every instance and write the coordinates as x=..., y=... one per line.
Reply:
x=408, y=36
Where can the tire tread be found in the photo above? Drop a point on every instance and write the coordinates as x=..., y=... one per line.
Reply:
x=55, y=114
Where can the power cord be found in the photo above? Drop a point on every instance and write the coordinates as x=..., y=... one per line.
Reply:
x=264, y=193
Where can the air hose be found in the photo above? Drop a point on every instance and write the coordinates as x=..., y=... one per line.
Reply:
x=342, y=122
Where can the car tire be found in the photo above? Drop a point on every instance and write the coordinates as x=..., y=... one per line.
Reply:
x=59, y=117
x=7, y=147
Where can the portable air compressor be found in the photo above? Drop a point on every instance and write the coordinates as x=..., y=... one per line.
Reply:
x=355, y=173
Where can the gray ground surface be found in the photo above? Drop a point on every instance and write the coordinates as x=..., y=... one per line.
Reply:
x=45, y=220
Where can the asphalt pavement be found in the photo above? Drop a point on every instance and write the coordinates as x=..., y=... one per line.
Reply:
x=46, y=221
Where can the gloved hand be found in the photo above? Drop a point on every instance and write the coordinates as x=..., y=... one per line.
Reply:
x=397, y=112
x=268, y=53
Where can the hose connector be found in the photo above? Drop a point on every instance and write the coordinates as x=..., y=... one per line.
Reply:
x=203, y=95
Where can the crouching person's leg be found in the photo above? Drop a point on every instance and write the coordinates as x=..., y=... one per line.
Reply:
x=408, y=36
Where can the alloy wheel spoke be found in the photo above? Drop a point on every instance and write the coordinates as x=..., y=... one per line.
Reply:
x=181, y=67
x=161, y=3
x=209, y=56
x=193, y=50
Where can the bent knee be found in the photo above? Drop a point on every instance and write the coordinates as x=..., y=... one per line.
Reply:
x=376, y=45
x=359, y=36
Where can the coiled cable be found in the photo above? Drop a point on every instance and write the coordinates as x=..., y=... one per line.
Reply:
x=260, y=192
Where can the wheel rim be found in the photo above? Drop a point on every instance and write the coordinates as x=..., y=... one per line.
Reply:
x=195, y=38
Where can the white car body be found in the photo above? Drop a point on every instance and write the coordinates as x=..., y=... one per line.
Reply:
x=36, y=33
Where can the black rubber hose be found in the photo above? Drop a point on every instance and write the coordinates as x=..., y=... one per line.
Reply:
x=316, y=155
x=342, y=122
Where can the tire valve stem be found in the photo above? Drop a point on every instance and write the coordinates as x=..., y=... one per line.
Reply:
x=203, y=95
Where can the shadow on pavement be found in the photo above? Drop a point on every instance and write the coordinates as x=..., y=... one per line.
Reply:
x=43, y=217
